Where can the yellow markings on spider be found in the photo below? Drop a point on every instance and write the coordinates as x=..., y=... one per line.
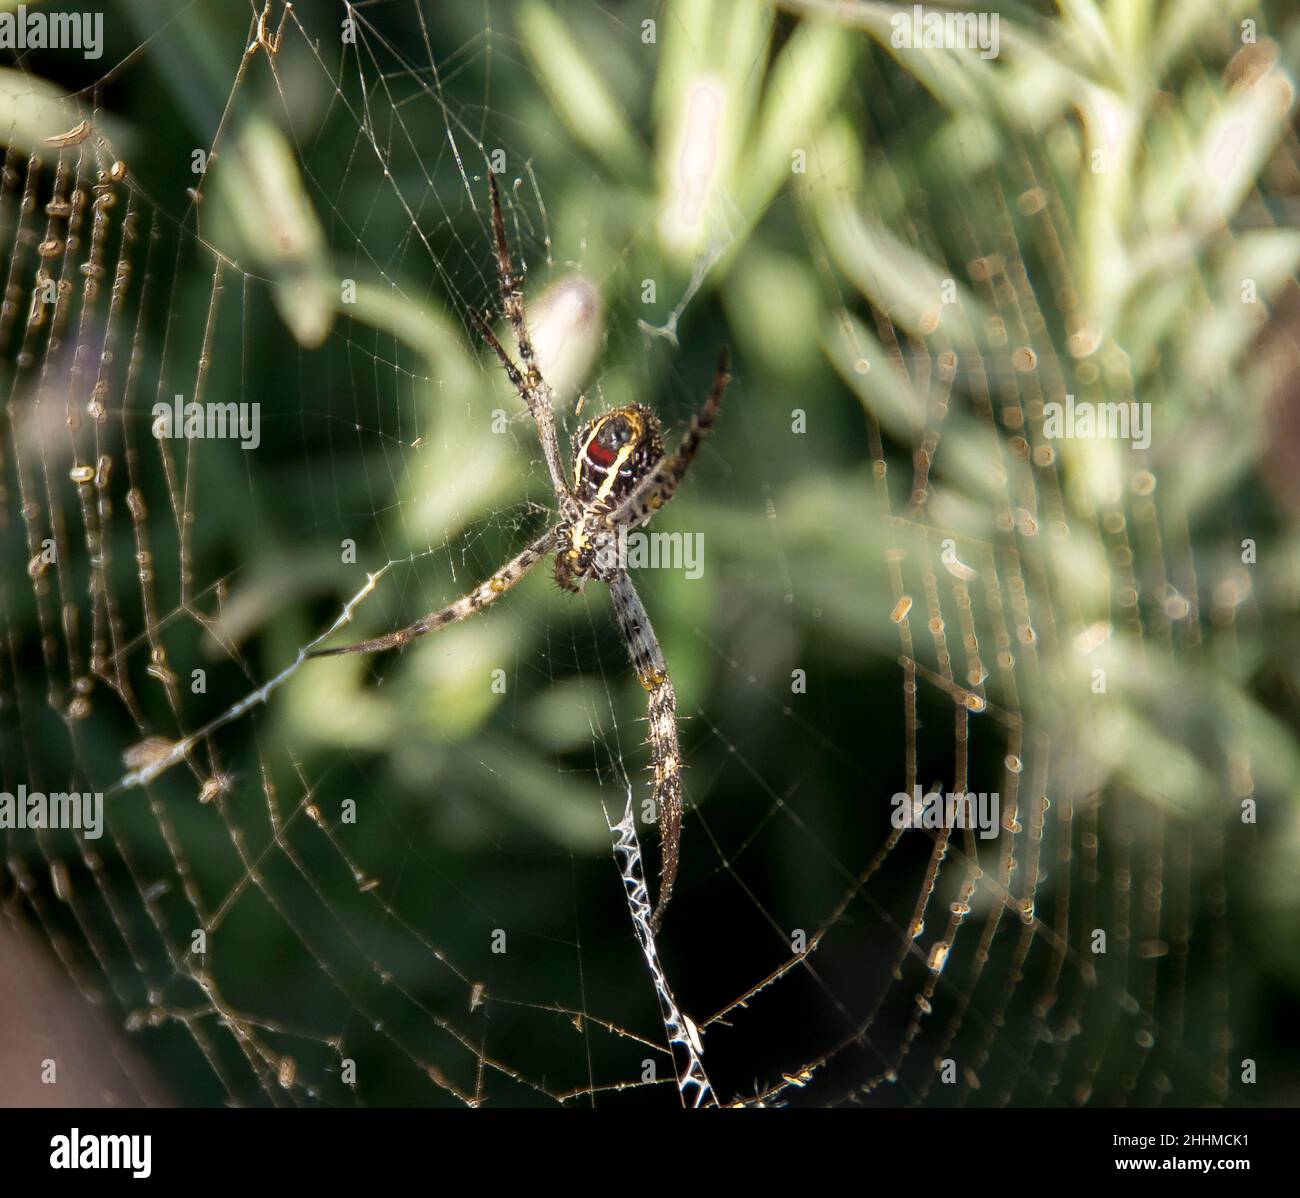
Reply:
x=626, y=451
x=653, y=678
x=611, y=478
x=498, y=584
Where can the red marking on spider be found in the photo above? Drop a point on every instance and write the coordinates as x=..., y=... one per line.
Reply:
x=599, y=455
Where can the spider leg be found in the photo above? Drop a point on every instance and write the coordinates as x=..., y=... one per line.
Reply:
x=532, y=388
x=512, y=296
x=658, y=487
x=665, y=754
x=483, y=595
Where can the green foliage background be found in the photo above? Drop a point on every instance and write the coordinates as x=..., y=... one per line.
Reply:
x=1097, y=195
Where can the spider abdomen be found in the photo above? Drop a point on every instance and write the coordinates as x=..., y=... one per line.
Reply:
x=613, y=453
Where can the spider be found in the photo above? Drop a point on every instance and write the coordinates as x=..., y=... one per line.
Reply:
x=620, y=479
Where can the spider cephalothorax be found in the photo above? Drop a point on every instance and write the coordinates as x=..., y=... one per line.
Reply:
x=620, y=479
x=611, y=456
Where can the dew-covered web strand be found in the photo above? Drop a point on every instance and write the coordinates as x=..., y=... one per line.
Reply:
x=1150, y=552
x=58, y=696
x=1033, y=870
x=182, y=507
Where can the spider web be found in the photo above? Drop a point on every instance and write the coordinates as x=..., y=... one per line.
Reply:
x=394, y=880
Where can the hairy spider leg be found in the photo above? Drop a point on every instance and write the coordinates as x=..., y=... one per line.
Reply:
x=532, y=388
x=469, y=604
x=665, y=753
x=657, y=488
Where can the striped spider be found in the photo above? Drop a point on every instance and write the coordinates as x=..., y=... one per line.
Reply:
x=620, y=479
